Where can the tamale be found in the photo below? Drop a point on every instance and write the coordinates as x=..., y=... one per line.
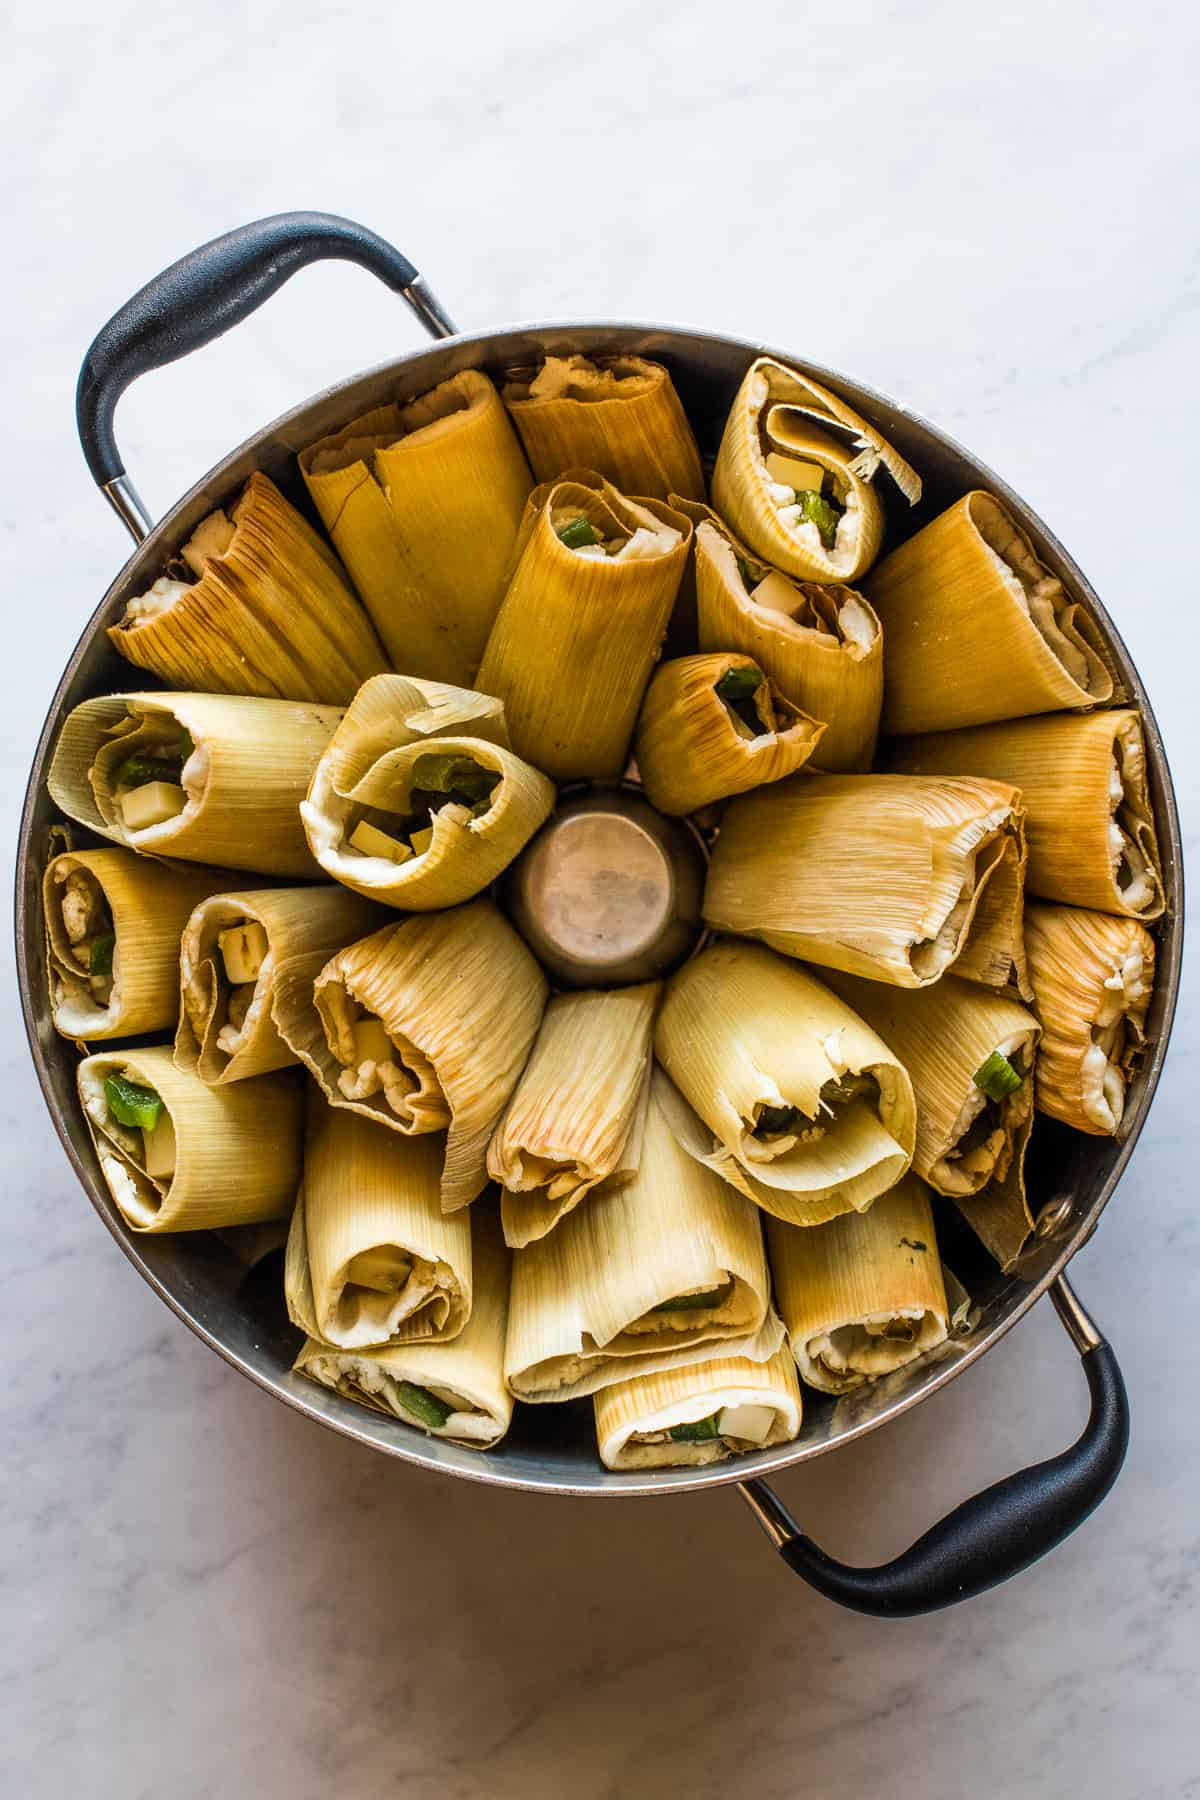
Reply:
x=896, y=878
x=180, y=1156
x=665, y=1270
x=714, y=725
x=226, y=961
x=372, y=1259
x=978, y=628
x=619, y=415
x=1088, y=817
x=686, y=1418
x=1092, y=977
x=795, y=476
x=580, y=626
x=213, y=778
x=577, y=1113
x=269, y=610
x=810, y=1113
x=452, y=1388
x=864, y=1294
x=423, y=501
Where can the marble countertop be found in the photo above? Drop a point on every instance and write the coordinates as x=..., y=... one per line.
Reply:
x=987, y=213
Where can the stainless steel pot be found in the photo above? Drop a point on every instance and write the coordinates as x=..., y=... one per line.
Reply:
x=551, y=1448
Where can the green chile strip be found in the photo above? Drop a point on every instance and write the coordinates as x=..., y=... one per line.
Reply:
x=821, y=510
x=578, y=533
x=131, y=1104
x=422, y=1404
x=737, y=687
x=696, y=1430
x=997, y=1077
x=100, y=954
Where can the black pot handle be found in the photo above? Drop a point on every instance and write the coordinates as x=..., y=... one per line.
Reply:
x=993, y=1535
x=202, y=296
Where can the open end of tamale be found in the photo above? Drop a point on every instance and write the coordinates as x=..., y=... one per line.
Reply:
x=81, y=930
x=1065, y=628
x=378, y=1062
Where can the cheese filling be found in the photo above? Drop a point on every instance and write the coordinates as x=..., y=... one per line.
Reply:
x=90, y=936
x=982, y=1136
x=376, y=1063
x=828, y=611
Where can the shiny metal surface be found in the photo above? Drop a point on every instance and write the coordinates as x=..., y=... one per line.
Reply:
x=609, y=890
x=240, y=1314
x=1085, y=1333
x=129, y=507
x=429, y=309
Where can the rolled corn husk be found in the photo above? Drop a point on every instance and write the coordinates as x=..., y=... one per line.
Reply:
x=576, y=637
x=309, y=923
x=634, y=1418
x=778, y=412
x=619, y=415
x=693, y=748
x=371, y=1258
x=242, y=782
x=423, y=501
x=944, y=1035
x=270, y=611
x=577, y=1114
x=1088, y=817
x=467, y=1367
x=144, y=907
x=978, y=629
x=1092, y=977
x=897, y=879
x=742, y=1034
x=237, y=1149
x=586, y=1300
x=862, y=1295
x=820, y=643
x=367, y=772
x=460, y=998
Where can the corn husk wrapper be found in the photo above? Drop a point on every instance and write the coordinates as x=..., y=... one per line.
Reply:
x=619, y=415
x=270, y=614
x=306, y=923
x=894, y=878
x=978, y=629
x=943, y=1035
x=779, y=410
x=650, y=1404
x=244, y=781
x=577, y=1114
x=1079, y=777
x=820, y=643
x=423, y=502
x=237, y=1149
x=148, y=905
x=372, y=1259
x=862, y=1295
x=691, y=750
x=582, y=1312
x=740, y=1029
x=461, y=999
x=468, y=1366
x=1092, y=977
x=576, y=638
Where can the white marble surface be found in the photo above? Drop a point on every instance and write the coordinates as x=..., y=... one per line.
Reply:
x=989, y=212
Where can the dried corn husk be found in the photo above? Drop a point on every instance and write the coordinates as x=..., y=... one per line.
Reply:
x=779, y=411
x=577, y=1114
x=145, y=907
x=1092, y=978
x=460, y=998
x=692, y=748
x=372, y=1259
x=739, y=1031
x=943, y=1035
x=237, y=1150
x=270, y=613
x=819, y=642
x=894, y=878
x=634, y=1417
x=243, y=781
x=1088, y=817
x=862, y=1295
x=577, y=637
x=978, y=629
x=468, y=1367
x=619, y=415
x=586, y=1299
x=309, y=923
x=423, y=501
